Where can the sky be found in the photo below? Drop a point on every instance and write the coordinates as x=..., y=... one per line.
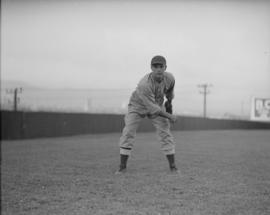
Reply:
x=109, y=44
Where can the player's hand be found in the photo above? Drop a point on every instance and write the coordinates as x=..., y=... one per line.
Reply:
x=173, y=119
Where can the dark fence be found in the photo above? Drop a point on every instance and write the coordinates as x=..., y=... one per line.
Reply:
x=22, y=125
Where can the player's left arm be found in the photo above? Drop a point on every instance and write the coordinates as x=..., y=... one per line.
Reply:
x=169, y=95
x=170, y=92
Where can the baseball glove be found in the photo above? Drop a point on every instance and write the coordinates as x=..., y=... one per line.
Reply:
x=168, y=107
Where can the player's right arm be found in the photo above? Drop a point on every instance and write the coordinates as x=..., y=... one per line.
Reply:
x=145, y=93
x=147, y=96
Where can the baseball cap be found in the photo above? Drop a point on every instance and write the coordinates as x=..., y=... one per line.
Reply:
x=158, y=59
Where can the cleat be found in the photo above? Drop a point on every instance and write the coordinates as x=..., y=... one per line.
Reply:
x=123, y=164
x=174, y=170
x=122, y=170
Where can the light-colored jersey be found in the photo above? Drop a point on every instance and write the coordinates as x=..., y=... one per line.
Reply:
x=148, y=97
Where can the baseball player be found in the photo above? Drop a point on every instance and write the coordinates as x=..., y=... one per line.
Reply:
x=147, y=101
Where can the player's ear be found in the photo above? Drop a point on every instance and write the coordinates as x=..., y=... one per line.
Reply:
x=165, y=67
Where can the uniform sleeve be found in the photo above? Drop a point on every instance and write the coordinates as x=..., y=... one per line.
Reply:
x=170, y=93
x=147, y=96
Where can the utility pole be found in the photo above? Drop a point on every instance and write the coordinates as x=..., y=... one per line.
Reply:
x=204, y=92
x=16, y=99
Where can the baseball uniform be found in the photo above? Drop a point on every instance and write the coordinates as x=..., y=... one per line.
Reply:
x=147, y=101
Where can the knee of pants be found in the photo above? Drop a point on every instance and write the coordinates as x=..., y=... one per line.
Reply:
x=132, y=121
x=128, y=138
x=164, y=135
x=166, y=140
x=161, y=125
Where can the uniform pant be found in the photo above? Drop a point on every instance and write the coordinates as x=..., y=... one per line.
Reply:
x=162, y=126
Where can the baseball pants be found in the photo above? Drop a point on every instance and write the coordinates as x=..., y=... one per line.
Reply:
x=162, y=126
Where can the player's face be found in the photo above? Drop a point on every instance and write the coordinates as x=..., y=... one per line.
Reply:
x=158, y=71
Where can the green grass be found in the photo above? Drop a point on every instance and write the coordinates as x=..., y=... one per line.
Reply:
x=223, y=172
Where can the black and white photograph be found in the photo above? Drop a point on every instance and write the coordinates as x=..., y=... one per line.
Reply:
x=143, y=107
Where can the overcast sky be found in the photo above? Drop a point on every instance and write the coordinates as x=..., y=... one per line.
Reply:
x=109, y=44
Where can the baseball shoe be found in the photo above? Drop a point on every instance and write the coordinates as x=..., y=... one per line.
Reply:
x=174, y=170
x=121, y=170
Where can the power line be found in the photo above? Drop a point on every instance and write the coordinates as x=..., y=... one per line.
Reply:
x=204, y=92
x=16, y=99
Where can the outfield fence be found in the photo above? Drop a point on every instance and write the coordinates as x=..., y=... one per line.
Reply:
x=26, y=125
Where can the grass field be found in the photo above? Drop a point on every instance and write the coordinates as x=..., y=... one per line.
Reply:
x=222, y=172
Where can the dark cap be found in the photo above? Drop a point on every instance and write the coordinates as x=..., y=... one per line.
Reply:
x=158, y=60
